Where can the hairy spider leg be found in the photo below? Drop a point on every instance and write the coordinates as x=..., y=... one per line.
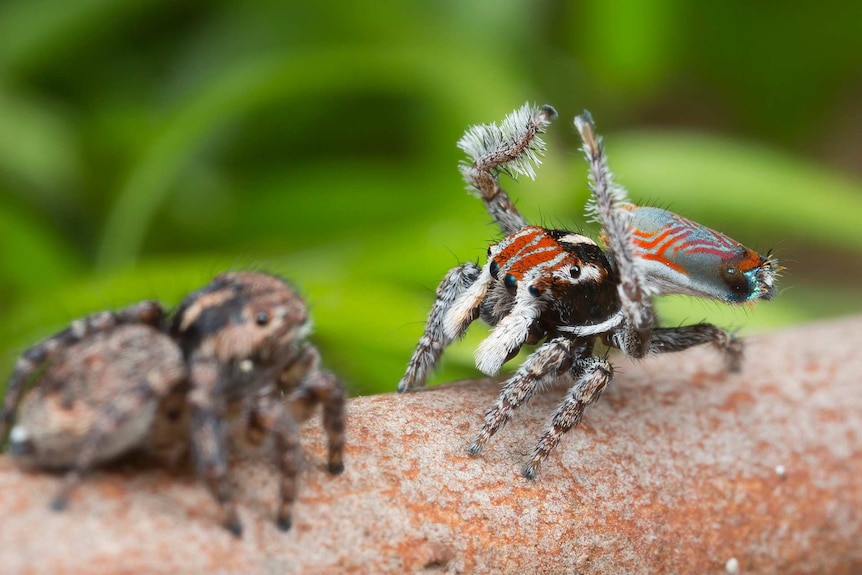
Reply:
x=609, y=206
x=438, y=333
x=208, y=410
x=549, y=362
x=276, y=418
x=670, y=339
x=591, y=375
x=513, y=148
x=311, y=386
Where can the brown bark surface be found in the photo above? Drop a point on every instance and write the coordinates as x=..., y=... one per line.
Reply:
x=680, y=468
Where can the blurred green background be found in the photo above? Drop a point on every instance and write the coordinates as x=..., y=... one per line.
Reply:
x=146, y=145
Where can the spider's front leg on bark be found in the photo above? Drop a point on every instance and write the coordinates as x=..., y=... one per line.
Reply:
x=549, y=362
x=440, y=330
x=307, y=386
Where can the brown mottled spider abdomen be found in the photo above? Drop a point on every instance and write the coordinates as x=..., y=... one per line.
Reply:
x=97, y=397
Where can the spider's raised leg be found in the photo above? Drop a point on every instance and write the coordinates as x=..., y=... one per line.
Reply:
x=512, y=148
x=275, y=417
x=611, y=208
x=146, y=312
x=592, y=375
x=550, y=361
x=315, y=386
x=457, y=305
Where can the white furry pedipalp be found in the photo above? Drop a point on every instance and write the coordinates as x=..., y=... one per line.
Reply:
x=508, y=336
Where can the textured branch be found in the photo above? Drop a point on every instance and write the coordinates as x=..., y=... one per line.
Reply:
x=679, y=468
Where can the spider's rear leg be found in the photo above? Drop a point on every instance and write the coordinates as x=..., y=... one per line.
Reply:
x=146, y=312
x=550, y=361
x=278, y=420
x=459, y=296
x=670, y=339
x=592, y=375
x=320, y=386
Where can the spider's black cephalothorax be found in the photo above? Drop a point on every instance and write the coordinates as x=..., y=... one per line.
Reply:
x=116, y=381
x=560, y=290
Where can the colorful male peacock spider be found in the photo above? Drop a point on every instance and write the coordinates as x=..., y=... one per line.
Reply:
x=117, y=381
x=563, y=291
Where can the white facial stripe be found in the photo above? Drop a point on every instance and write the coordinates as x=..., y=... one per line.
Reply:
x=524, y=253
x=591, y=272
x=576, y=239
x=526, y=248
x=588, y=273
x=509, y=240
x=543, y=268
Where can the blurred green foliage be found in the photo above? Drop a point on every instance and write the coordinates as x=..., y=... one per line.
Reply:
x=147, y=145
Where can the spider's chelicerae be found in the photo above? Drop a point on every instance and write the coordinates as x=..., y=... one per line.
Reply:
x=116, y=381
x=562, y=291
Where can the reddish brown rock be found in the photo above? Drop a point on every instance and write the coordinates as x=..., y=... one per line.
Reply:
x=679, y=468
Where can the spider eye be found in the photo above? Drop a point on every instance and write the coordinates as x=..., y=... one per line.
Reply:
x=510, y=281
x=534, y=291
x=262, y=318
x=575, y=271
x=495, y=269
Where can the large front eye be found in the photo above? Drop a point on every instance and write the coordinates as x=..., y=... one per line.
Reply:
x=262, y=318
x=575, y=271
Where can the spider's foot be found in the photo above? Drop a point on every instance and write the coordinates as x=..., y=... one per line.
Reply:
x=59, y=502
x=234, y=526
x=284, y=522
x=336, y=464
x=405, y=385
x=414, y=379
x=476, y=447
x=231, y=522
x=61, y=498
x=531, y=470
x=733, y=355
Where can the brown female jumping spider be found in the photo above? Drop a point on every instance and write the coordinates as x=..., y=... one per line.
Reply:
x=561, y=290
x=112, y=381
